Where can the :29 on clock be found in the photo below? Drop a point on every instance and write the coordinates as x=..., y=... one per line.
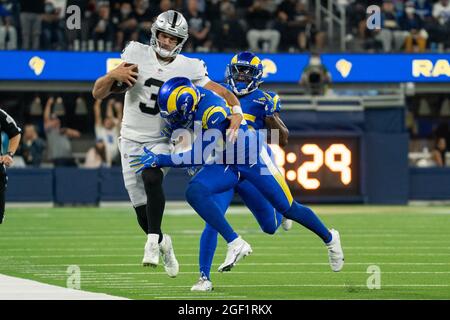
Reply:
x=320, y=165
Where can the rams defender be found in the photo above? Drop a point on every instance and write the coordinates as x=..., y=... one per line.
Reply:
x=261, y=110
x=181, y=102
x=145, y=69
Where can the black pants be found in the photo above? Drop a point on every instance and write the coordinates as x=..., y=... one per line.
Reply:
x=3, y=182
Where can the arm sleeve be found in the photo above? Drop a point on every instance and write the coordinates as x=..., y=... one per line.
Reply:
x=200, y=76
x=8, y=124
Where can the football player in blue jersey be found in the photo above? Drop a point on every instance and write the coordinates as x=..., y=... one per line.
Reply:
x=182, y=102
x=261, y=110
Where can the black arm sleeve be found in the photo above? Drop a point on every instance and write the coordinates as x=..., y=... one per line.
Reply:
x=8, y=124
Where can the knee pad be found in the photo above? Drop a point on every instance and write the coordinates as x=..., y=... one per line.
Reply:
x=152, y=177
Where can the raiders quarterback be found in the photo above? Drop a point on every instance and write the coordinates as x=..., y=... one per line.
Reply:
x=144, y=70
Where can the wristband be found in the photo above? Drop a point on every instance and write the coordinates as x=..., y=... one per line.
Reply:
x=9, y=153
x=237, y=109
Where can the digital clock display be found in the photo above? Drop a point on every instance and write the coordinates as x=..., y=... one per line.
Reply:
x=320, y=165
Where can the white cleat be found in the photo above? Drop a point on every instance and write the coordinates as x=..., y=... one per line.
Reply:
x=237, y=249
x=335, y=253
x=168, y=256
x=286, y=224
x=151, y=251
x=203, y=285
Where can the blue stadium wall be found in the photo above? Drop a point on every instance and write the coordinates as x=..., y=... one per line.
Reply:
x=384, y=173
x=384, y=176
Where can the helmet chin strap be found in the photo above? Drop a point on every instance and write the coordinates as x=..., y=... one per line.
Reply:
x=164, y=53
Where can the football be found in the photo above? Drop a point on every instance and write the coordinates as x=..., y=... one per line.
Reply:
x=121, y=87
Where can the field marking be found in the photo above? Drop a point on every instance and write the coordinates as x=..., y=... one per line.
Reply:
x=255, y=254
x=12, y=288
x=196, y=233
x=258, y=246
x=250, y=264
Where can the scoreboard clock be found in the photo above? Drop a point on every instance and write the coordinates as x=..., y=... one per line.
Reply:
x=321, y=166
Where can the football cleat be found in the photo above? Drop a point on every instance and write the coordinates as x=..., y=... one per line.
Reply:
x=151, y=251
x=286, y=224
x=168, y=256
x=237, y=249
x=203, y=284
x=335, y=253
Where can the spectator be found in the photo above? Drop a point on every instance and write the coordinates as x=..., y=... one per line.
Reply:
x=144, y=19
x=59, y=146
x=416, y=40
x=164, y=5
x=199, y=27
x=107, y=129
x=96, y=156
x=296, y=26
x=32, y=146
x=423, y=9
x=52, y=32
x=260, y=23
x=8, y=31
x=31, y=23
x=103, y=29
x=390, y=34
x=126, y=24
x=440, y=30
x=230, y=34
x=438, y=153
x=441, y=12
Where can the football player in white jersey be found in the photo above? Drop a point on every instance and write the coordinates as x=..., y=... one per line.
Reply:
x=145, y=69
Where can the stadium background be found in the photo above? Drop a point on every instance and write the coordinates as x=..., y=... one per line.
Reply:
x=388, y=103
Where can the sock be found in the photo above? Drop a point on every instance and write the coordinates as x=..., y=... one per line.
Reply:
x=155, y=199
x=307, y=218
x=141, y=215
x=208, y=244
x=201, y=200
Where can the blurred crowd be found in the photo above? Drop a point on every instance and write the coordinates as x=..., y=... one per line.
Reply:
x=222, y=25
x=56, y=133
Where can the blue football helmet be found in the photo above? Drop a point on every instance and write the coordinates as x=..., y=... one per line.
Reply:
x=244, y=73
x=177, y=100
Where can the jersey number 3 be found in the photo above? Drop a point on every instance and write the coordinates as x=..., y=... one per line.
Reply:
x=152, y=107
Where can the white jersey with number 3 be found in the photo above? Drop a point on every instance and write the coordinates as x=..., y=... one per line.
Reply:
x=141, y=120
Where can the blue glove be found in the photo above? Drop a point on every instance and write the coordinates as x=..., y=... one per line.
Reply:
x=270, y=106
x=144, y=161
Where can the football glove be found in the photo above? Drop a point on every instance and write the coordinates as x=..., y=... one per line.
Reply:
x=144, y=161
x=270, y=106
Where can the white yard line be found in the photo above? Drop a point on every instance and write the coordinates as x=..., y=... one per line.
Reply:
x=255, y=264
x=12, y=288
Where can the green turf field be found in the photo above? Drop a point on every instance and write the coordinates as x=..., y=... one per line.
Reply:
x=411, y=246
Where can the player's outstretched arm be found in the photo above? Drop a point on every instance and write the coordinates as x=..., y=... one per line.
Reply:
x=124, y=73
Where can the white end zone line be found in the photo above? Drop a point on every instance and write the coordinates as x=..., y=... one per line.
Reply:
x=12, y=288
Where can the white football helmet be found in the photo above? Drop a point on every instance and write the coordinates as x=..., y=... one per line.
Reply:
x=171, y=22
